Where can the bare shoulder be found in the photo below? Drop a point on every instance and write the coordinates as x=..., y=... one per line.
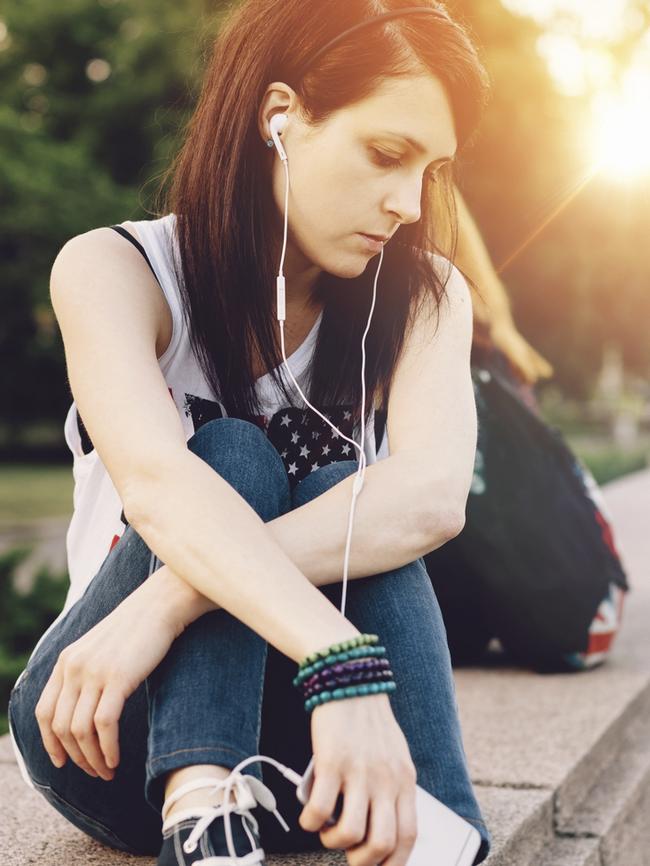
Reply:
x=452, y=315
x=100, y=266
x=456, y=286
x=108, y=307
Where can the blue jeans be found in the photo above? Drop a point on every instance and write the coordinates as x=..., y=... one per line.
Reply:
x=222, y=693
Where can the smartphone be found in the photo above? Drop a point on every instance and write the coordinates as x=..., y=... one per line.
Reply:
x=444, y=838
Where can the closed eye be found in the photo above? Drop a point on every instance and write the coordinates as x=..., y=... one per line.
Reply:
x=384, y=161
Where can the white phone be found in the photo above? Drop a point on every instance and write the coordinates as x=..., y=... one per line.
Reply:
x=444, y=838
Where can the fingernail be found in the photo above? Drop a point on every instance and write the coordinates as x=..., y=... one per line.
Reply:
x=56, y=761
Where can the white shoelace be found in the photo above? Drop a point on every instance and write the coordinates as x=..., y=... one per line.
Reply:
x=249, y=792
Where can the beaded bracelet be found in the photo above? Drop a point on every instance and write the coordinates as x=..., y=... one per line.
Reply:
x=330, y=673
x=347, y=668
x=357, y=652
x=335, y=663
x=349, y=692
x=340, y=681
x=340, y=647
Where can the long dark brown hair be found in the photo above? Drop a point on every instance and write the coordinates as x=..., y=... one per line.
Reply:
x=226, y=218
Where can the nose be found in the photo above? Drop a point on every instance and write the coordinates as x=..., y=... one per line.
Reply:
x=405, y=200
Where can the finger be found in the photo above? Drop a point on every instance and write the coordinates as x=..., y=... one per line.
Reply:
x=44, y=712
x=351, y=828
x=322, y=800
x=107, y=716
x=61, y=723
x=82, y=728
x=407, y=827
x=380, y=839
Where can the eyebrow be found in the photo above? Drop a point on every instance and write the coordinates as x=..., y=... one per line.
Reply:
x=415, y=145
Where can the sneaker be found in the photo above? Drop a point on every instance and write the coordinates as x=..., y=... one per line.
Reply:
x=199, y=834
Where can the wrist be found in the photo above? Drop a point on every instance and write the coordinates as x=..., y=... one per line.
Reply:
x=175, y=600
x=345, y=631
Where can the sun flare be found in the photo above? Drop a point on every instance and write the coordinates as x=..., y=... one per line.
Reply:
x=620, y=138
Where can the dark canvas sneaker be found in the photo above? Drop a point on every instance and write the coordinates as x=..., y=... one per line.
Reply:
x=199, y=834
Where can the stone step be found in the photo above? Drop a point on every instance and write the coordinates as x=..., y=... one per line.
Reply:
x=617, y=807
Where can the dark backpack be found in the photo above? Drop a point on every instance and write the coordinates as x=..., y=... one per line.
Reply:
x=535, y=564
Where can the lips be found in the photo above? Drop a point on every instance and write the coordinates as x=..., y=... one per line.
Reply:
x=382, y=238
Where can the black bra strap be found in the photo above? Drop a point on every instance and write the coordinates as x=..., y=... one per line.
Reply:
x=121, y=230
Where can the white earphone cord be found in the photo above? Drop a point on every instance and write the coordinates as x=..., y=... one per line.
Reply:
x=281, y=297
x=287, y=772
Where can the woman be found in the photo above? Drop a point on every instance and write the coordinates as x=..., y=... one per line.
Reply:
x=157, y=680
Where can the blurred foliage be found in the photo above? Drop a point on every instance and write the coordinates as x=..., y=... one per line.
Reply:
x=25, y=617
x=94, y=97
x=78, y=147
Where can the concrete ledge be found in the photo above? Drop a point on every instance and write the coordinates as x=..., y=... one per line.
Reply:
x=561, y=762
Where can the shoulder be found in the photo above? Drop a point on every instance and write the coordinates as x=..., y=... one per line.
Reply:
x=451, y=278
x=454, y=310
x=101, y=269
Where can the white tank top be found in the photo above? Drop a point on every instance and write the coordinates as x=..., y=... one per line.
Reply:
x=302, y=439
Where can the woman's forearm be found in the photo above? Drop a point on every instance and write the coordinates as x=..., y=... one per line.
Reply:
x=313, y=536
x=199, y=526
x=396, y=520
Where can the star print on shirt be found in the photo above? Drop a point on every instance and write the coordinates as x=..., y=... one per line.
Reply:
x=302, y=439
x=306, y=442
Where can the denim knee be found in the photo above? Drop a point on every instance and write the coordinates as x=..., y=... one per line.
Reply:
x=244, y=456
x=238, y=433
x=322, y=479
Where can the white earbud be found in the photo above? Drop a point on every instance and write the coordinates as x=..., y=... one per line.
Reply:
x=277, y=124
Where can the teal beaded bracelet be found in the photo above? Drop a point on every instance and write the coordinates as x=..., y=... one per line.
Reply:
x=349, y=692
x=340, y=647
x=356, y=652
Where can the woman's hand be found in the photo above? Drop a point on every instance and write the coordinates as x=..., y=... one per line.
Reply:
x=80, y=706
x=528, y=363
x=360, y=751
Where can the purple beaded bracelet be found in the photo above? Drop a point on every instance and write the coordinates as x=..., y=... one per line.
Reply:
x=363, y=671
x=338, y=681
x=345, y=668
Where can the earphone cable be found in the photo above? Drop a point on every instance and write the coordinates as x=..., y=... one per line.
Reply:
x=358, y=481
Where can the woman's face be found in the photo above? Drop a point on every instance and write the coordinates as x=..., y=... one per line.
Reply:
x=357, y=173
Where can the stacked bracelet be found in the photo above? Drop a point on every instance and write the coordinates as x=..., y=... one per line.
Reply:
x=359, y=640
x=345, y=680
x=348, y=669
x=351, y=667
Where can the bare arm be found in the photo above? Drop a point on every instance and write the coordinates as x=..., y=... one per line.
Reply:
x=313, y=535
x=414, y=500
x=107, y=305
x=238, y=564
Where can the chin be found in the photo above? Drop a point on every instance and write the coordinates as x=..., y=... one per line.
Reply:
x=351, y=267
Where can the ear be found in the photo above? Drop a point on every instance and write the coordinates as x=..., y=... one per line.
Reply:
x=278, y=98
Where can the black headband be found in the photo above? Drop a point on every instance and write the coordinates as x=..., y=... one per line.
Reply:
x=395, y=13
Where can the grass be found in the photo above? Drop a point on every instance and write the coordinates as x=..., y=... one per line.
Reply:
x=29, y=492
x=607, y=461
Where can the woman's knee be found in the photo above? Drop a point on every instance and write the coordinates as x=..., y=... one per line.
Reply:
x=243, y=455
x=322, y=479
